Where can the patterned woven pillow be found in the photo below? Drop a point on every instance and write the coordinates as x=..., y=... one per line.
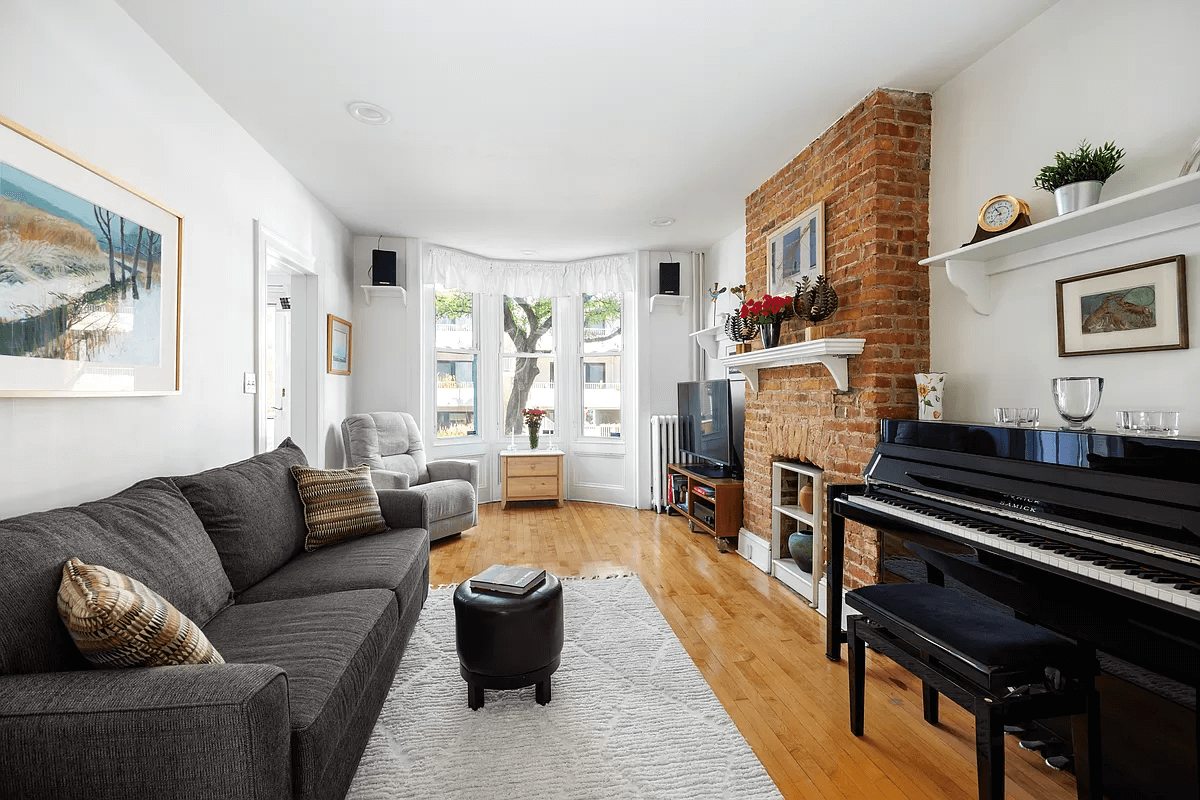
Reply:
x=117, y=622
x=339, y=504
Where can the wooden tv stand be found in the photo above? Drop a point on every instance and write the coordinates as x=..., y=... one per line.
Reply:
x=721, y=515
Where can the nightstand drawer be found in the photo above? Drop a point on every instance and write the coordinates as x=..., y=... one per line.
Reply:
x=519, y=466
x=533, y=487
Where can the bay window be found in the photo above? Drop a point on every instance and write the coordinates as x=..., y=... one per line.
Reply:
x=600, y=364
x=457, y=363
x=527, y=359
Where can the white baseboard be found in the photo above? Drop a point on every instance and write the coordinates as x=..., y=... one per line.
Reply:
x=755, y=549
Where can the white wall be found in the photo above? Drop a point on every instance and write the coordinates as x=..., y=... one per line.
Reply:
x=726, y=265
x=1096, y=69
x=666, y=354
x=86, y=77
x=382, y=370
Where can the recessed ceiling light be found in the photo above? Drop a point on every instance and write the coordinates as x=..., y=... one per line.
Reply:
x=662, y=222
x=369, y=113
x=529, y=253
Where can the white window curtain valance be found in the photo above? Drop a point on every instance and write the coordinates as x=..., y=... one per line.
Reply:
x=472, y=273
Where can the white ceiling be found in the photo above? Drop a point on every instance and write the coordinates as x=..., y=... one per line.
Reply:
x=561, y=126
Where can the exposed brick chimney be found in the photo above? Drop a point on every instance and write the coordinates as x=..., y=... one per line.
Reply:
x=872, y=170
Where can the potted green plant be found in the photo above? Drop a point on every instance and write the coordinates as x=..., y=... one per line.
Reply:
x=1076, y=178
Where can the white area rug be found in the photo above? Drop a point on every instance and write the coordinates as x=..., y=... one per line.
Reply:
x=631, y=716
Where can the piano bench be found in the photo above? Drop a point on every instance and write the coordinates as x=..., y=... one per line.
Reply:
x=999, y=668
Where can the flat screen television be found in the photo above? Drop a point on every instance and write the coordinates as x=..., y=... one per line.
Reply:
x=706, y=428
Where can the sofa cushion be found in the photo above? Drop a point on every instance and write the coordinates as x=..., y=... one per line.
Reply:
x=397, y=560
x=251, y=511
x=118, y=622
x=339, y=651
x=339, y=505
x=148, y=532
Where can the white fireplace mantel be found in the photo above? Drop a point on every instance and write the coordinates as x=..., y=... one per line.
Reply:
x=833, y=353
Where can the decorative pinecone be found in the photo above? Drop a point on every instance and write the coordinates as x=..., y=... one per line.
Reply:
x=824, y=300
x=740, y=330
x=801, y=302
x=814, y=301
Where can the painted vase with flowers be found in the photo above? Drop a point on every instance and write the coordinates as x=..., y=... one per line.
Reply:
x=533, y=421
x=768, y=313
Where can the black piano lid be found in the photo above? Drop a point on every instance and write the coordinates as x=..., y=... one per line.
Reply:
x=1164, y=458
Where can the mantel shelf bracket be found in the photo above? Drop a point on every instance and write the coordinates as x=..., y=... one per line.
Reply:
x=971, y=278
x=709, y=339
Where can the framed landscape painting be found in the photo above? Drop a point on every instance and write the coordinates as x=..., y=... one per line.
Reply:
x=796, y=250
x=339, y=346
x=1124, y=310
x=89, y=278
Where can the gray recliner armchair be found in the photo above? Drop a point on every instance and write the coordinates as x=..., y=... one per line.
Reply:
x=390, y=444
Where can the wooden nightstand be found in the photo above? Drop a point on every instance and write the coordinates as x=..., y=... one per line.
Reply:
x=531, y=475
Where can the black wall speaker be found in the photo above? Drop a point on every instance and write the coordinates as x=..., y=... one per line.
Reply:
x=383, y=268
x=668, y=277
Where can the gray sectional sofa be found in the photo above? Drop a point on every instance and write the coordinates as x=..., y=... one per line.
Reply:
x=311, y=642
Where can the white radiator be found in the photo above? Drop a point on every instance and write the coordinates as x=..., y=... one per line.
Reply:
x=664, y=449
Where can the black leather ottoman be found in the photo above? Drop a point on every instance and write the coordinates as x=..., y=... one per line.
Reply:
x=506, y=642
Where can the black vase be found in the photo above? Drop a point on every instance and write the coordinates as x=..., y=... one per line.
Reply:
x=770, y=333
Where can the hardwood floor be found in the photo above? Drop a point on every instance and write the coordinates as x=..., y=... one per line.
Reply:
x=761, y=650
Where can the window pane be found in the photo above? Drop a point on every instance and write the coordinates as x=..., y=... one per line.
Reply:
x=528, y=383
x=602, y=323
x=453, y=321
x=528, y=325
x=456, y=394
x=602, y=396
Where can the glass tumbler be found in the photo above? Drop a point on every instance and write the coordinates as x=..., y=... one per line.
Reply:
x=1077, y=400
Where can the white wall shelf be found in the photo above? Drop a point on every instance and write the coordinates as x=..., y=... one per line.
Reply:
x=370, y=291
x=832, y=353
x=676, y=300
x=1168, y=206
x=710, y=339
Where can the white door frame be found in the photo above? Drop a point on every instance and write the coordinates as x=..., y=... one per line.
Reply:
x=273, y=253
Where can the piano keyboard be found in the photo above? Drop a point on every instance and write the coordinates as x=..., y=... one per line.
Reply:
x=1177, y=590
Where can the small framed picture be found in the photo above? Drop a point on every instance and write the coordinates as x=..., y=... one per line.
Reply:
x=1124, y=310
x=339, y=346
x=796, y=250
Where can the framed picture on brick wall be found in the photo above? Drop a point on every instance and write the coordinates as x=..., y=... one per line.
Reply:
x=796, y=250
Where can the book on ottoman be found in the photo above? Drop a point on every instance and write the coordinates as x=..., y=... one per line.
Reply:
x=509, y=580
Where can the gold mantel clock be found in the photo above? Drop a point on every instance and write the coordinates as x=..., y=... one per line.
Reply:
x=1001, y=214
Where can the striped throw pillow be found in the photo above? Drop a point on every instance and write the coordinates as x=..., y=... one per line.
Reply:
x=117, y=622
x=339, y=504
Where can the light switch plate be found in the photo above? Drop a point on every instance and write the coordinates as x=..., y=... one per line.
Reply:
x=249, y=383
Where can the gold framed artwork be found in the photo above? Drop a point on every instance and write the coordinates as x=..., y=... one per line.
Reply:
x=1130, y=309
x=90, y=278
x=796, y=250
x=339, y=346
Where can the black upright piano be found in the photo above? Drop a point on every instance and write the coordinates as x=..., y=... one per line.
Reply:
x=1094, y=535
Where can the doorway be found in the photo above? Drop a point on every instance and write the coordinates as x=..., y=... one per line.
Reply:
x=287, y=349
x=276, y=380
